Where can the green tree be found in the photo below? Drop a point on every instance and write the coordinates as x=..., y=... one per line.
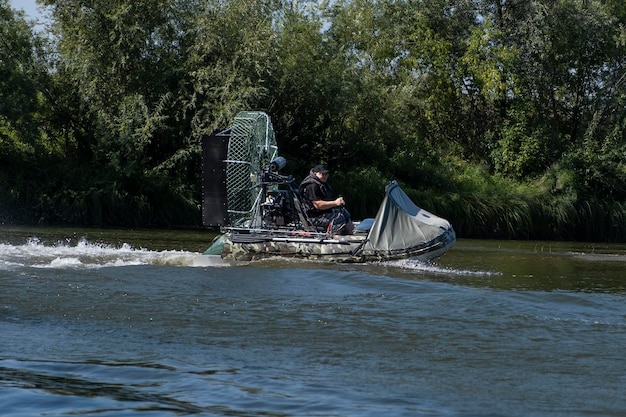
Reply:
x=22, y=78
x=123, y=65
x=18, y=79
x=232, y=57
x=492, y=101
x=566, y=57
x=307, y=92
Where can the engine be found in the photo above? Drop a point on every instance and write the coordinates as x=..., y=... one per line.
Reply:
x=276, y=210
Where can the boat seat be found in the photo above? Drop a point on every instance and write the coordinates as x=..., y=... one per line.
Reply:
x=300, y=210
x=363, y=226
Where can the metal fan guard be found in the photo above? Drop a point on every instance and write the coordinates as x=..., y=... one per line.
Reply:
x=251, y=147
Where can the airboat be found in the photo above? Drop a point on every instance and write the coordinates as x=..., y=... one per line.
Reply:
x=260, y=215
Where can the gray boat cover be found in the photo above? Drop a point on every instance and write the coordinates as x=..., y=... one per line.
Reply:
x=401, y=225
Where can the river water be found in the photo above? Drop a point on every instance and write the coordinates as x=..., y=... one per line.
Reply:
x=121, y=323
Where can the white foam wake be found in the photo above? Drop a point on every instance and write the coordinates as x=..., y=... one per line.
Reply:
x=87, y=254
x=417, y=265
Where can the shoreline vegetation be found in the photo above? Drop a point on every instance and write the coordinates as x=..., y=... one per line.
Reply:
x=506, y=118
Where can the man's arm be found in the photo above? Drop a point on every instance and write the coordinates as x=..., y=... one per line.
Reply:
x=328, y=204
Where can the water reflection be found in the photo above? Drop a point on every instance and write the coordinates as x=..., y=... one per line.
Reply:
x=545, y=266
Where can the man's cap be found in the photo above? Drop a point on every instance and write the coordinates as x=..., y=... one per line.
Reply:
x=321, y=169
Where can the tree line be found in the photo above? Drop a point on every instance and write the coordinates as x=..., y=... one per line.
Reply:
x=507, y=117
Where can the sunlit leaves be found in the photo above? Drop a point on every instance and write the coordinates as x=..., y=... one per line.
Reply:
x=18, y=79
x=232, y=57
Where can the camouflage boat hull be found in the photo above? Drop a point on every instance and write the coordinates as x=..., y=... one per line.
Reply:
x=344, y=249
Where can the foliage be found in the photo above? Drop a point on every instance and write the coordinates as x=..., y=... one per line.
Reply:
x=506, y=117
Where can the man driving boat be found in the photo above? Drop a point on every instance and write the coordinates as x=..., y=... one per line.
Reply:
x=326, y=213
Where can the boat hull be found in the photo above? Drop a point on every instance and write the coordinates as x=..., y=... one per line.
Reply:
x=342, y=249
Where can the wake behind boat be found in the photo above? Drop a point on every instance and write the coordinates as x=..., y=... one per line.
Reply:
x=260, y=212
